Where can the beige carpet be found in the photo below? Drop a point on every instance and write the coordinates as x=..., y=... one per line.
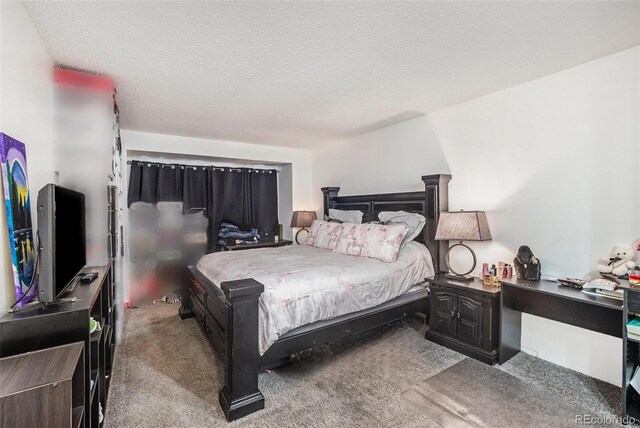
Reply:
x=167, y=375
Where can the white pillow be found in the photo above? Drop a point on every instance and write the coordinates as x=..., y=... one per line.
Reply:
x=346, y=216
x=415, y=222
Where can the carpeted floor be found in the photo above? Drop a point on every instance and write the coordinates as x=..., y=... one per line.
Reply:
x=167, y=375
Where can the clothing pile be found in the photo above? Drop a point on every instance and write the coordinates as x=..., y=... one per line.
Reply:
x=231, y=234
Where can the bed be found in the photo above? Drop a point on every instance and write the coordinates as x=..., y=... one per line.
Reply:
x=258, y=307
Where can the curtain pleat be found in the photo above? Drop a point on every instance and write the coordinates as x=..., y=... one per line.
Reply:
x=264, y=201
x=227, y=200
x=195, y=188
x=135, y=182
x=169, y=187
x=149, y=185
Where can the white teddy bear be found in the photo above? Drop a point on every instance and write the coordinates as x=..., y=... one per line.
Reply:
x=620, y=261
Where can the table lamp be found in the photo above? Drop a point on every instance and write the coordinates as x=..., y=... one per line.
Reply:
x=462, y=226
x=302, y=219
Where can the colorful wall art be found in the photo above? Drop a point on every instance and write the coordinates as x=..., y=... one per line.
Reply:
x=16, y=194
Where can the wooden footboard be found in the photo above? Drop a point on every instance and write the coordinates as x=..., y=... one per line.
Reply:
x=229, y=317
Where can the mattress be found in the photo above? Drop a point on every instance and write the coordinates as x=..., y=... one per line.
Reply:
x=304, y=284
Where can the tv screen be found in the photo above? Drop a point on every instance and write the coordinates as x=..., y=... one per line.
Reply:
x=62, y=239
x=70, y=242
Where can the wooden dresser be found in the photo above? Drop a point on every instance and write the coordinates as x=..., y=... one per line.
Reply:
x=465, y=317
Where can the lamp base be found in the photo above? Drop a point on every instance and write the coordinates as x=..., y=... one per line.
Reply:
x=461, y=278
x=303, y=229
x=452, y=274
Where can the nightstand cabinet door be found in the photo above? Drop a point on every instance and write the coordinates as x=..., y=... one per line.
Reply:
x=465, y=317
x=443, y=309
x=469, y=320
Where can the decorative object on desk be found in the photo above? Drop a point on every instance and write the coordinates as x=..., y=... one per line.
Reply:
x=504, y=270
x=601, y=283
x=13, y=160
x=93, y=325
x=575, y=283
x=492, y=281
x=485, y=270
x=634, y=277
x=462, y=226
x=302, y=219
x=604, y=287
x=527, y=265
x=620, y=261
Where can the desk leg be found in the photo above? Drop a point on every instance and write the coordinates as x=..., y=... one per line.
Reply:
x=510, y=324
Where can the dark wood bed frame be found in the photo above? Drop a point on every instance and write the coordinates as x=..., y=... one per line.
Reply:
x=229, y=314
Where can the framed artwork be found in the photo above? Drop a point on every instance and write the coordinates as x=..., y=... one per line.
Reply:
x=18, y=205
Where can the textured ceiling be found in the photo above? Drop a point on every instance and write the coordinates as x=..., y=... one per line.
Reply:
x=306, y=73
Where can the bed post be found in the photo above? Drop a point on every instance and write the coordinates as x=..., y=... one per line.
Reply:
x=328, y=193
x=240, y=395
x=436, y=191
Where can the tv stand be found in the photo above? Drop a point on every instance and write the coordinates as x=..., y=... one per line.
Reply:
x=36, y=305
x=64, y=321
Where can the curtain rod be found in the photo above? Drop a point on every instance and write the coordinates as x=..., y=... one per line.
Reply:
x=215, y=168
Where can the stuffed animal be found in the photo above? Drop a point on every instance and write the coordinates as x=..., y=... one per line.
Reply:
x=620, y=261
x=527, y=265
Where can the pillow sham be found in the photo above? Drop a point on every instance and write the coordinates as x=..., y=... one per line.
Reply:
x=354, y=216
x=415, y=222
x=323, y=234
x=376, y=241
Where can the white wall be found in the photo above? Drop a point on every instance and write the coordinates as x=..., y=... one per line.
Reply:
x=26, y=114
x=295, y=164
x=553, y=162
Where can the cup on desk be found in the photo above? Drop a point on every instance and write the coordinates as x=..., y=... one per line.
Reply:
x=634, y=277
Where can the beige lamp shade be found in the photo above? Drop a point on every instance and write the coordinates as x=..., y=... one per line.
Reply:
x=303, y=218
x=463, y=226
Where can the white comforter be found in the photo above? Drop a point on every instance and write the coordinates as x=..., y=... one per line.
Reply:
x=305, y=284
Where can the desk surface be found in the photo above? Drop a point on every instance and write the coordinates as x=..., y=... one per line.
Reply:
x=557, y=290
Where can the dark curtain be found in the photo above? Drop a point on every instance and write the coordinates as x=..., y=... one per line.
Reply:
x=143, y=182
x=263, y=209
x=227, y=200
x=135, y=183
x=246, y=197
x=195, y=188
x=169, y=185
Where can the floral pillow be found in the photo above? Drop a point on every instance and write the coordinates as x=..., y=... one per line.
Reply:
x=324, y=234
x=376, y=241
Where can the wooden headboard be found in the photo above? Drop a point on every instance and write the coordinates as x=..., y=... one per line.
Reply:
x=429, y=203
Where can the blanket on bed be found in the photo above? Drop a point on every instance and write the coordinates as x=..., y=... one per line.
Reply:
x=305, y=284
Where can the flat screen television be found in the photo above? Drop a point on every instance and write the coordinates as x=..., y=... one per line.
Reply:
x=62, y=240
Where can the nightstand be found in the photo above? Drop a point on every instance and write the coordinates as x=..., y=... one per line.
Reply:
x=465, y=317
x=266, y=243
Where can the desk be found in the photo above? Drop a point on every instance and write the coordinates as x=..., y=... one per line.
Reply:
x=552, y=301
